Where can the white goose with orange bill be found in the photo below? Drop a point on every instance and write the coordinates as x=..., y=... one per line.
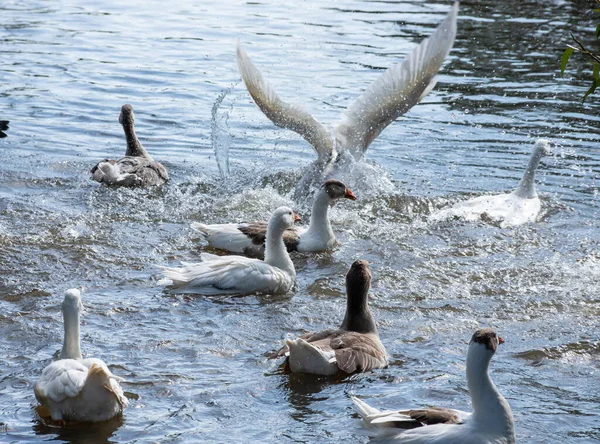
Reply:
x=249, y=238
x=354, y=347
x=510, y=209
x=491, y=421
x=77, y=389
x=396, y=91
x=239, y=274
x=137, y=168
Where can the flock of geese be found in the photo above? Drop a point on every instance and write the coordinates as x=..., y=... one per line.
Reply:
x=77, y=389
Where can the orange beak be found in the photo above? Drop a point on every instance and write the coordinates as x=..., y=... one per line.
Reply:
x=500, y=340
x=297, y=218
x=349, y=194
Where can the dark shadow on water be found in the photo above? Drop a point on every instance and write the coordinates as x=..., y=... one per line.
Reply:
x=78, y=432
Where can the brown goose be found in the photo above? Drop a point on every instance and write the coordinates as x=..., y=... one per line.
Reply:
x=249, y=238
x=354, y=347
x=137, y=168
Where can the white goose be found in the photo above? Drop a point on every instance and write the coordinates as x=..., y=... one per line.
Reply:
x=249, y=238
x=239, y=274
x=76, y=389
x=396, y=91
x=491, y=421
x=519, y=207
x=354, y=347
x=137, y=168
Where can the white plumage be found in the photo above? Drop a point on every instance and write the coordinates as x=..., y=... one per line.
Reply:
x=519, y=207
x=76, y=389
x=239, y=274
x=491, y=421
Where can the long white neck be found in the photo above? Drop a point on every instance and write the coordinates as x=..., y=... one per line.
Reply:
x=489, y=406
x=70, y=348
x=275, y=252
x=319, y=225
x=526, y=188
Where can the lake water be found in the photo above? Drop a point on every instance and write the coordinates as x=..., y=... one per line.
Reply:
x=195, y=366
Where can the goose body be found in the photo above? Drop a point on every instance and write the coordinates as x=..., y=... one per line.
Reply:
x=516, y=208
x=137, y=168
x=491, y=421
x=354, y=347
x=239, y=274
x=249, y=238
x=396, y=91
x=76, y=389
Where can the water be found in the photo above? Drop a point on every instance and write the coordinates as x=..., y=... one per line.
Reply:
x=195, y=366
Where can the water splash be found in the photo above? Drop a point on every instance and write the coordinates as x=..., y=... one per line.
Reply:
x=219, y=135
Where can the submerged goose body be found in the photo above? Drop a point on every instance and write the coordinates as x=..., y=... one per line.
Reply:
x=76, y=389
x=491, y=421
x=519, y=207
x=354, y=347
x=137, y=168
x=249, y=238
x=396, y=91
x=239, y=274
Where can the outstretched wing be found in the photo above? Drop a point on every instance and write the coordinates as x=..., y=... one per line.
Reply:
x=396, y=91
x=280, y=113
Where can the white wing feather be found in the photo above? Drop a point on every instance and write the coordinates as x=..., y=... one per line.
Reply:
x=61, y=380
x=396, y=91
x=280, y=113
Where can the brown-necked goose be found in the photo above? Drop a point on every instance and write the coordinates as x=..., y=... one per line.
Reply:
x=239, y=274
x=137, y=168
x=395, y=92
x=521, y=206
x=490, y=422
x=354, y=347
x=249, y=238
x=77, y=389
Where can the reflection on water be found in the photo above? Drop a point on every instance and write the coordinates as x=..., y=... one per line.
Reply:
x=197, y=365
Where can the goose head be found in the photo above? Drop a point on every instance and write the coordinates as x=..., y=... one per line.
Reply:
x=358, y=316
x=72, y=302
x=336, y=190
x=126, y=118
x=542, y=147
x=483, y=345
x=283, y=218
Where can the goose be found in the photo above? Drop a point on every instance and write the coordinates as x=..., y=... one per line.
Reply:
x=511, y=209
x=396, y=91
x=3, y=127
x=354, y=347
x=490, y=422
x=77, y=389
x=249, y=238
x=137, y=168
x=238, y=274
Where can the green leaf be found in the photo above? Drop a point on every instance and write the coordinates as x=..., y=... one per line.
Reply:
x=597, y=31
x=596, y=72
x=565, y=59
x=590, y=91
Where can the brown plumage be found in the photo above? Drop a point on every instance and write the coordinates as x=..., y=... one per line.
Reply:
x=433, y=415
x=488, y=337
x=137, y=168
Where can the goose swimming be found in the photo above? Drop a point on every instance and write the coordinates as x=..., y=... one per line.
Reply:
x=491, y=421
x=137, y=168
x=396, y=91
x=239, y=274
x=249, y=238
x=516, y=208
x=354, y=347
x=77, y=389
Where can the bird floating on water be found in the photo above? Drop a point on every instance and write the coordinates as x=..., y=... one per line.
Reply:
x=249, y=238
x=239, y=274
x=137, y=168
x=396, y=91
x=516, y=208
x=354, y=347
x=77, y=389
x=490, y=422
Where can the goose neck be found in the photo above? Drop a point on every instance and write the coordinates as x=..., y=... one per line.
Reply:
x=526, y=188
x=134, y=147
x=358, y=317
x=71, y=348
x=276, y=253
x=319, y=217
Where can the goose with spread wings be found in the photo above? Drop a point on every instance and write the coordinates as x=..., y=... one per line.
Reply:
x=396, y=91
